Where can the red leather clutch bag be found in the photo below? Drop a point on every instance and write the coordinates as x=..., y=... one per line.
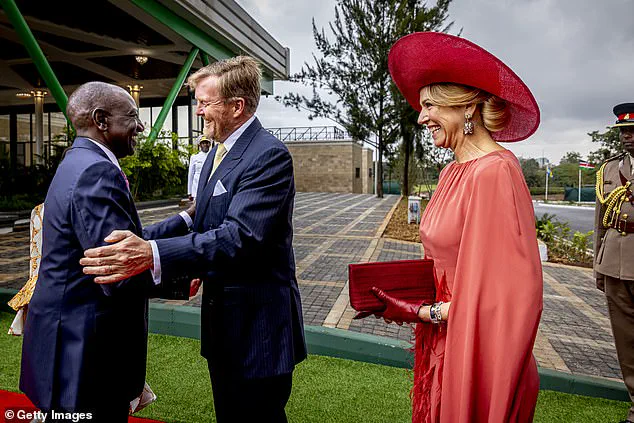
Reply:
x=411, y=280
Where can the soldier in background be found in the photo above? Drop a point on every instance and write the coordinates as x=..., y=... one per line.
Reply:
x=196, y=162
x=614, y=244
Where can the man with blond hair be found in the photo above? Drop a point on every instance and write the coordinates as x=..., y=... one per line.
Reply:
x=240, y=247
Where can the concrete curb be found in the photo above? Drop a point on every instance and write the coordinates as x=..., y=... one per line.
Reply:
x=184, y=321
x=143, y=205
x=589, y=206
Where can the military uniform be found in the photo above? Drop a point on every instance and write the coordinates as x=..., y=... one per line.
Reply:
x=614, y=256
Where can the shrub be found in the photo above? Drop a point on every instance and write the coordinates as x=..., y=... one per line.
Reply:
x=24, y=187
x=561, y=247
x=156, y=170
x=542, y=190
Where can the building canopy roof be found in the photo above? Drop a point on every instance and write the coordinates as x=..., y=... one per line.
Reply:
x=99, y=40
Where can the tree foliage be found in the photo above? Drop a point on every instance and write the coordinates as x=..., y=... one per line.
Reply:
x=571, y=157
x=156, y=170
x=610, y=145
x=352, y=68
x=533, y=174
x=566, y=174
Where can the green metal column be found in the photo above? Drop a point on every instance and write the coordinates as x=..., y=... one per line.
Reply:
x=204, y=57
x=171, y=97
x=34, y=50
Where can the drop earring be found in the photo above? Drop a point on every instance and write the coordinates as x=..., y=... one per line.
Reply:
x=468, y=125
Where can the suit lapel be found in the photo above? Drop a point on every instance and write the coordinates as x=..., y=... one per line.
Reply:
x=206, y=171
x=201, y=198
x=226, y=165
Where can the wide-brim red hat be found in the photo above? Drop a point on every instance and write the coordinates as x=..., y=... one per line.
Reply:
x=425, y=58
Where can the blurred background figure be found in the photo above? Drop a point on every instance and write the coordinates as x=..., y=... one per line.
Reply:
x=196, y=163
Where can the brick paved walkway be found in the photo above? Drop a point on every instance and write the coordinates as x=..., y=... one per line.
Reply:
x=333, y=230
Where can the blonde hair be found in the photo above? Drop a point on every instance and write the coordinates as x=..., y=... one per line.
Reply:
x=494, y=110
x=237, y=77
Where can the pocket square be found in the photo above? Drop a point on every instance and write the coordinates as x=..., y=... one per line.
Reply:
x=219, y=189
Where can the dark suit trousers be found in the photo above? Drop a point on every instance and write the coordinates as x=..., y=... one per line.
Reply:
x=620, y=296
x=239, y=400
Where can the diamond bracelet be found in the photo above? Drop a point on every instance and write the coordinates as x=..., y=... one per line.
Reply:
x=435, y=313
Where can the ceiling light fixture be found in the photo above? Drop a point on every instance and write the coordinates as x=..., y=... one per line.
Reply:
x=142, y=60
x=23, y=94
x=135, y=88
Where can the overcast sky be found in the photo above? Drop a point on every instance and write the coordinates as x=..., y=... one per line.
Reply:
x=575, y=56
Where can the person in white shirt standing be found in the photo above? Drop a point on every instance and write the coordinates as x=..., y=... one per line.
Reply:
x=196, y=163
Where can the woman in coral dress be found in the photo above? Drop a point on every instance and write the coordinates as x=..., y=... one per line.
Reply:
x=473, y=353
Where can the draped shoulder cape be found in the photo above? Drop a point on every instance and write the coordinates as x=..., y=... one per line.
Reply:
x=479, y=228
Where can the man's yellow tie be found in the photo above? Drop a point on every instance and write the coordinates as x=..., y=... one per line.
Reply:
x=221, y=152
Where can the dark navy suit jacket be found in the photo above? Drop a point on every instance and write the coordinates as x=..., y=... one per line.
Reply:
x=85, y=344
x=241, y=245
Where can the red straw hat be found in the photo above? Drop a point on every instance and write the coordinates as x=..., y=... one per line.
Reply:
x=424, y=58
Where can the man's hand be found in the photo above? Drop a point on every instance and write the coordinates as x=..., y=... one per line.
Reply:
x=128, y=256
x=191, y=210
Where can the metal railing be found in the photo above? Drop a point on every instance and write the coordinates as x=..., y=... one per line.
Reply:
x=309, y=133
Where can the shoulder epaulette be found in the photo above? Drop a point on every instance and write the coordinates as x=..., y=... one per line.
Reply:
x=618, y=156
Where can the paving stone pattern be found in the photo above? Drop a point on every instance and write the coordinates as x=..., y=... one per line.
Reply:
x=333, y=230
x=576, y=324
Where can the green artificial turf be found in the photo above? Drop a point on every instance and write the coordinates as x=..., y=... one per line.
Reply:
x=324, y=389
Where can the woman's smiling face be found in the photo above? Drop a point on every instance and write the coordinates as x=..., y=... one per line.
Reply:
x=445, y=123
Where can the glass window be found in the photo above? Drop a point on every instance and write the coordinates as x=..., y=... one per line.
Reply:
x=59, y=137
x=4, y=137
x=144, y=115
x=167, y=125
x=25, y=137
x=183, y=122
x=46, y=140
x=4, y=127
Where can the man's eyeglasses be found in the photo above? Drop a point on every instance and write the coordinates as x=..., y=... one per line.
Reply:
x=134, y=116
x=205, y=104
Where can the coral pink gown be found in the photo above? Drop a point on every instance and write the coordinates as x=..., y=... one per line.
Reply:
x=479, y=228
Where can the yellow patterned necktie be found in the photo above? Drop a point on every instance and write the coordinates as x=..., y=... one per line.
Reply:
x=221, y=152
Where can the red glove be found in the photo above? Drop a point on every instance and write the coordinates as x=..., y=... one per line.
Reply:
x=395, y=309
x=194, y=286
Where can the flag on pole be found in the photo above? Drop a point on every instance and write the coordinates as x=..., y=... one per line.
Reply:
x=585, y=165
x=549, y=171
